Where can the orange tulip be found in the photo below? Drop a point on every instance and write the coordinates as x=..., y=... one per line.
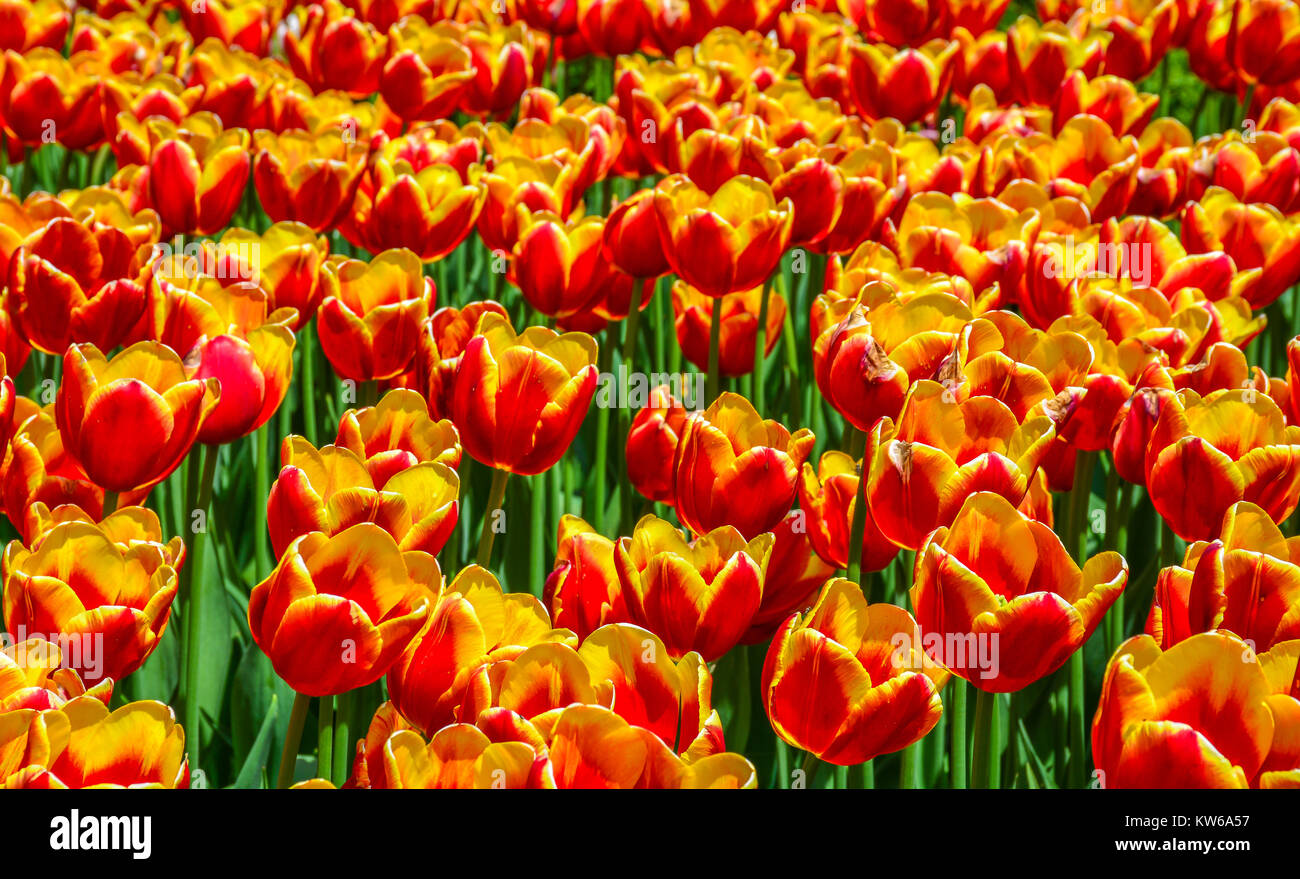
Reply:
x=652, y=444
x=307, y=178
x=32, y=676
x=828, y=497
x=397, y=433
x=69, y=283
x=31, y=24
x=338, y=611
x=854, y=373
x=45, y=97
x=286, y=261
x=143, y=393
x=473, y=624
x=722, y=243
x=863, y=666
x=519, y=183
x=518, y=400
x=632, y=238
x=700, y=596
x=195, y=175
x=39, y=470
x=330, y=490
x=558, y=265
x=583, y=591
x=650, y=691
x=942, y=452
x=111, y=600
x=1245, y=581
x=336, y=50
x=735, y=468
x=443, y=338
x=902, y=84
x=429, y=211
x=84, y=745
x=1001, y=602
x=1263, y=41
x=1206, y=454
x=1193, y=716
x=370, y=316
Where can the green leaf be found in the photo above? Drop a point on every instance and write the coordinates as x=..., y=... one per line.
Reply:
x=252, y=771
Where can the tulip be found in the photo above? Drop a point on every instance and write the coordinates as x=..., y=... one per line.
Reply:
x=195, y=175
x=286, y=261
x=443, y=338
x=307, y=178
x=226, y=334
x=338, y=611
x=32, y=676
x=854, y=373
x=583, y=591
x=459, y=757
x=474, y=623
x=39, y=470
x=1245, y=581
x=336, y=50
x=652, y=444
x=557, y=264
x=84, y=745
x=828, y=498
x=29, y=25
x=69, y=284
x=670, y=699
x=1206, y=454
x=1263, y=41
x=142, y=393
x=45, y=98
x=331, y=490
x=906, y=85
x=613, y=27
x=1041, y=55
x=370, y=316
x=632, y=239
x=726, y=242
x=973, y=582
x=735, y=468
x=429, y=211
x=703, y=595
x=863, y=666
x=1193, y=716
x=942, y=452
x=543, y=380
x=516, y=183
x=397, y=433
x=1254, y=235
x=504, y=61
x=112, y=600
x=739, y=333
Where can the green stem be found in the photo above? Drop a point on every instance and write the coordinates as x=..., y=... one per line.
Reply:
x=262, y=474
x=715, y=341
x=809, y=768
x=325, y=737
x=984, y=771
x=307, y=352
x=909, y=772
x=486, y=536
x=110, y=502
x=292, y=738
x=596, y=493
x=537, y=535
x=859, y=525
x=760, y=349
x=1078, y=759
x=957, y=758
x=342, y=738
x=196, y=594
